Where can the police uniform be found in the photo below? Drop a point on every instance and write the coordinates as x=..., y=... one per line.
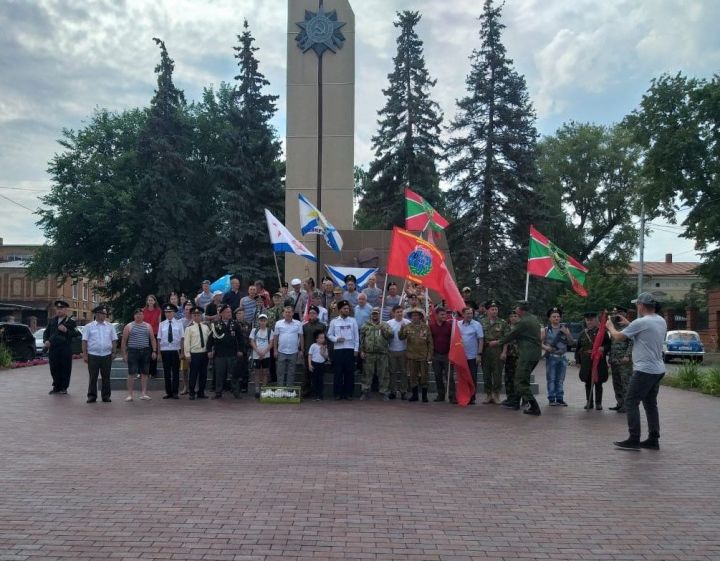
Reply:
x=526, y=334
x=583, y=357
x=374, y=343
x=620, y=363
x=60, y=351
x=492, y=364
x=418, y=354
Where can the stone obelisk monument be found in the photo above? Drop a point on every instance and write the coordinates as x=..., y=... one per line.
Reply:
x=320, y=118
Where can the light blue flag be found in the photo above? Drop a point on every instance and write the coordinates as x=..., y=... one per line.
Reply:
x=222, y=284
x=362, y=275
x=312, y=221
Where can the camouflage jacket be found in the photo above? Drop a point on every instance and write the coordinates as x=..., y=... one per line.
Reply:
x=620, y=349
x=494, y=330
x=419, y=341
x=375, y=337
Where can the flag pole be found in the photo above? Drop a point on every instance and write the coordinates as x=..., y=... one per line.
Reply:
x=527, y=285
x=277, y=270
x=382, y=300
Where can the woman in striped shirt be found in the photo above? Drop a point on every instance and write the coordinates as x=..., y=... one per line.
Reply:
x=137, y=341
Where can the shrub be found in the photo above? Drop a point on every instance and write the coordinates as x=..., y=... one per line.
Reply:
x=710, y=382
x=5, y=356
x=687, y=377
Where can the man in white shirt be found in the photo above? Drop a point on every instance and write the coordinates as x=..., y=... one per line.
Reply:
x=297, y=298
x=648, y=335
x=473, y=338
x=170, y=338
x=322, y=311
x=287, y=341
x=398, y=375
x=344, y=334
x=99, y=339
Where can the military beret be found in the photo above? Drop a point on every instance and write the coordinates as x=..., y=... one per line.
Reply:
x=554, y=310
x=196, y=310
x=349, y=278
x=416, y=311
x=375, y=310
x=314, y=309
x=590, y=314
x=342, y=304
x=284, y=284
x=170, y=308
x=224, y=307
x=492, y=304
x=61, y=304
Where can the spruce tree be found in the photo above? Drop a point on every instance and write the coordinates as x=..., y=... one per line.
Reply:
x=492, y=168
x=250, y=177
x=167, y=200
x=407, y=145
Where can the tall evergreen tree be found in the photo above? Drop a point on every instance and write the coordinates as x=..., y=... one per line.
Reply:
x=492, y=152
x=163, y=256
x=250, y=178
x=407, y=145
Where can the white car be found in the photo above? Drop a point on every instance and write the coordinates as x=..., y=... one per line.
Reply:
x=39, y=345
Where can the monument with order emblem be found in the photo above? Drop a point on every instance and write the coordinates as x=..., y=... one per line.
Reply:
x=320, y=118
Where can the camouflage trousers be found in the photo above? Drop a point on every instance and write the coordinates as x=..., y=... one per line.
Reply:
x=417, y=371
x=621, y=374
x=376, y=363
x=492, y=368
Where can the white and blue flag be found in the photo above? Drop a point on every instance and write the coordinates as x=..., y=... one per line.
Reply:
x=362, y=275
x=283, y=241
x=312, y=221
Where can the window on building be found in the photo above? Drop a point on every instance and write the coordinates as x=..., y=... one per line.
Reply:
x=74, y=291
x=95, y=296
x=85, y=290
x=657, y=285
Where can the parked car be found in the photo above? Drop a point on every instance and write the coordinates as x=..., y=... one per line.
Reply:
x=683, y=344
x=19, y=339
x=39, y=343
x=76, y=342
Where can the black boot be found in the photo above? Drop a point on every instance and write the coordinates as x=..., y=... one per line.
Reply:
x=533, y=409
x=440, y=397
x=652, y=442
x=414, y=396
x=424, y=395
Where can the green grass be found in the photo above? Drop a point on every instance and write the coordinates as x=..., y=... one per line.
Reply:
x=692, y=377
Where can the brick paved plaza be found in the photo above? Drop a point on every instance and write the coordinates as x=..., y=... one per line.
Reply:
x=388, y=481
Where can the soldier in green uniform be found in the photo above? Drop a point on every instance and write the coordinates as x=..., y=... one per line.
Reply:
x=275, y=313
x=583, y=357
x=511, y=357
x=620, y=360
x=375, y=336
x=526, y=334
x=419, y=352
x=493, y=358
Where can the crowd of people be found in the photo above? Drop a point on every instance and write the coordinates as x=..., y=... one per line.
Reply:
x=394, y=338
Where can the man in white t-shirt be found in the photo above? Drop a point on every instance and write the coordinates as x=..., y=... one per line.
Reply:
x=648, y=334
x=397, y=346
x=287, y=341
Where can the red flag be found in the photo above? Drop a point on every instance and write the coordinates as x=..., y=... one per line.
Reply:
x=464, y=386
x=418, y=260
x=596, y=354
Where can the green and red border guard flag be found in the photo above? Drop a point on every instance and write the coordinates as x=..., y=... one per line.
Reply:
x=418, y=260
x=547, y=260
x=419, y=214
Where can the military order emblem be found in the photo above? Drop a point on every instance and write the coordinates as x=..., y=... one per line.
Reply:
x=420, y=261
x=321, y=32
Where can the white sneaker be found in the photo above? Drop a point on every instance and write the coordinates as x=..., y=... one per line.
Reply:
x=129, y=398
x=145, y=397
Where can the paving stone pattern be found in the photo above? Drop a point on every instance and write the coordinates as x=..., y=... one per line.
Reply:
x=237, y=480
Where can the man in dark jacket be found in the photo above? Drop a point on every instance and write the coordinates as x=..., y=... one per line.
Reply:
x=225, y=346
x=57, y=339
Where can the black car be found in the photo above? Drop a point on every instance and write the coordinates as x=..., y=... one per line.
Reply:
x=19, y=339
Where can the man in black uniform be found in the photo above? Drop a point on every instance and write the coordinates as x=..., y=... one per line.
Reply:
x=58, y=338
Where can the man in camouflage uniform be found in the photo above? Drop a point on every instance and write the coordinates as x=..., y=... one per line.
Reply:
x=511, y=358
x=620, y=360
x=493, y=358
x=419, y=352
x=374, y=337
x=527, y=335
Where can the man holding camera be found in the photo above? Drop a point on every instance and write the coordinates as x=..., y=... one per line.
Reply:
x=648, y=334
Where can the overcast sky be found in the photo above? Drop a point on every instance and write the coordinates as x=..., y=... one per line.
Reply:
x=584, y=60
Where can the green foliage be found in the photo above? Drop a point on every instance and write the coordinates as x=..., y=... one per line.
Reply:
x=590, y=179
x=677, y=127
x=407, y=145
x=710, y=382
x=5, y=356
x=607, y=285
x=492, y=169
x=155, y=200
